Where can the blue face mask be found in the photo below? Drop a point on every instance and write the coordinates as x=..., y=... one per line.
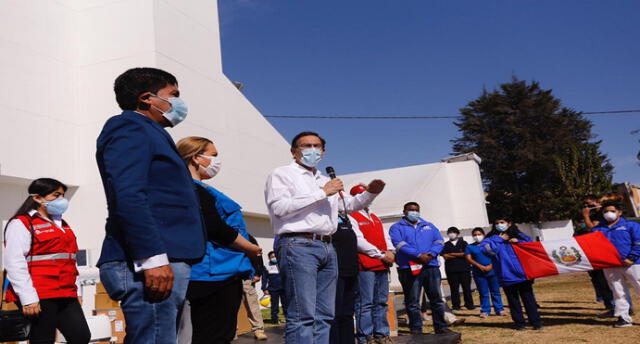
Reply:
x=273, y=261
x=178, y=111
x=413, y=216
x=501, y=227
x=57, y=207
x=311, y=157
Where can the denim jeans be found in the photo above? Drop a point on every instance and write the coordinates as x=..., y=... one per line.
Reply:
x=147, y=321
x=489, y=290
x=524, y=291
x=371, y=305
x=309, y=272
x=429, y=279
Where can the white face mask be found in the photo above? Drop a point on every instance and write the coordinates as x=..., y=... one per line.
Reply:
x=610, y=216
x=478, y=238
x=214, y=165
x=452, y=236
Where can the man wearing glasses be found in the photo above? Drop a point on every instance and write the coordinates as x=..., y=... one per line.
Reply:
x=303, y=206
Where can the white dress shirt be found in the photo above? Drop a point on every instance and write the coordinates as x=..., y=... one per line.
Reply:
x=365, y=246
x=298, y=204
x=17, y=247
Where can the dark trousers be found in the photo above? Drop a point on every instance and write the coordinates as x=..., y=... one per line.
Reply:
x=601, y=288
x=429, y=279
x=342, y=329
x=457, y=279
x=64, y=314
x=524, y=291
x=277, y=298
x=214, y=314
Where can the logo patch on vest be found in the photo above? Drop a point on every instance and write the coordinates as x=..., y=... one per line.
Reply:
x=43, y=225
x=45, y=231
x=364, y=223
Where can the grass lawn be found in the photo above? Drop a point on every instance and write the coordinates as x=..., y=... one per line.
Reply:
x=569, y=313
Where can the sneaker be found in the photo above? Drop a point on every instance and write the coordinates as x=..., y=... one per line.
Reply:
x=445, y=331
x=383, y=340
x=260, y=335
x=607, y=314
x=622, y=323
x=484, y=315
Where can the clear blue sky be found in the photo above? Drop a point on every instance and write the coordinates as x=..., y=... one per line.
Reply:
x=419, y=57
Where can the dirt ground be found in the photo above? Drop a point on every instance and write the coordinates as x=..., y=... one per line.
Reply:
x=569, y=313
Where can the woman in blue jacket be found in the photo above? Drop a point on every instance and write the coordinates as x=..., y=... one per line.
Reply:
x=510, y=274
x=484, y=276
x=215, y=288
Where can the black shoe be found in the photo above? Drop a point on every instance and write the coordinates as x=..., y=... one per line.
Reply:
x=622, y=323
x=456, y=308
x=538, y=328
x=445, y=331
x=607, y=314
x=470, y=308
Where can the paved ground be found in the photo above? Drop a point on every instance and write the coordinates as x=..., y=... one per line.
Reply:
x=275, y=336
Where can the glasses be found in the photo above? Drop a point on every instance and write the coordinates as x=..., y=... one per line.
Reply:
x=310, y=145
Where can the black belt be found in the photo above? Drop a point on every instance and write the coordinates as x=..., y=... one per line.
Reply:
x=324, y=238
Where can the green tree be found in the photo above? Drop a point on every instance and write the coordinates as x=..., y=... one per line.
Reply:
x=525, y=138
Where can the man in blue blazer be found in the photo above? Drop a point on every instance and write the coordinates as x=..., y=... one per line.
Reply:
x=154, y=229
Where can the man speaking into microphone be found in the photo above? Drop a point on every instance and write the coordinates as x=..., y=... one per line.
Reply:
x=303, y=206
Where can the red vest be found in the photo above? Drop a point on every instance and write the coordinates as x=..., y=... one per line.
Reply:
x=51, y=277
x=374, y=233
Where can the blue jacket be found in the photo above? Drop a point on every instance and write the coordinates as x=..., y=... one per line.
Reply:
x=220, y=262
x=153, y=207
x=625, y=236
x=411, y=242
x=505, y=262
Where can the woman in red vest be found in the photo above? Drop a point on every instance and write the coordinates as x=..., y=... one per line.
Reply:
x=40, y=259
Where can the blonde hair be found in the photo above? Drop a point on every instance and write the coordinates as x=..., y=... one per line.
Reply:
x=191, y=146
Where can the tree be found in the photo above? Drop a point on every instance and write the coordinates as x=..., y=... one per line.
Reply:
x=527, y=141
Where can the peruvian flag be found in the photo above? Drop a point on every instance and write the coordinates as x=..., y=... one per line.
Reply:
x=586, y=252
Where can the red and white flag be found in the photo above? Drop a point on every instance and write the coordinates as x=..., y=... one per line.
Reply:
x=586, y=252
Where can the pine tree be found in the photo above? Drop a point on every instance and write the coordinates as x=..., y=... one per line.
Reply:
x=530, y=145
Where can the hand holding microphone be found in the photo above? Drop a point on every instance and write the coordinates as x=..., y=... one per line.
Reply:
x=334, y=185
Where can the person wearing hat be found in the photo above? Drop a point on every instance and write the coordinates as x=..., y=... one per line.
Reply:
x=375, y=255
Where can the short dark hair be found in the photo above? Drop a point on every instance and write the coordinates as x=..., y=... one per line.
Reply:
x=294, y=142
x=612, y=203
x=270, y=253
x=135, y=81
x=478, y=229
x=453, y=230
x=410, y=204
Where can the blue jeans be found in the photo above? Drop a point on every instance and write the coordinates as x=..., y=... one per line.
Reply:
x=489, y=290
x=309, y=271
x=371, y=305
x=147, y=322
x=429, y=279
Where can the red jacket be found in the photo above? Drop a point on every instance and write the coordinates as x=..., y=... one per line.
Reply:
x=373, y=232
x=51, y=262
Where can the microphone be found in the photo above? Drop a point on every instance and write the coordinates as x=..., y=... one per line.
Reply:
x=331, y=172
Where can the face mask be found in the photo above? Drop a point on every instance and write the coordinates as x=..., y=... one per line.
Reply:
x=610, y=216
x=273, y=260
x=478, y=238
x=178, y=111
x=56, y=207
x=413, y=216
x=311, y=157
x=501, y=227
x=452, y=236
x=214, y=165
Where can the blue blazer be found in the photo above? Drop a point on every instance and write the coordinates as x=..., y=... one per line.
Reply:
x=153, y=206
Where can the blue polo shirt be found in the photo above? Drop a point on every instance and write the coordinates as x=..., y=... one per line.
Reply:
x=475, y=251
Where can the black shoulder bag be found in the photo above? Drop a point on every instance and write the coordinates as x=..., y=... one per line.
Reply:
x=14, y=325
